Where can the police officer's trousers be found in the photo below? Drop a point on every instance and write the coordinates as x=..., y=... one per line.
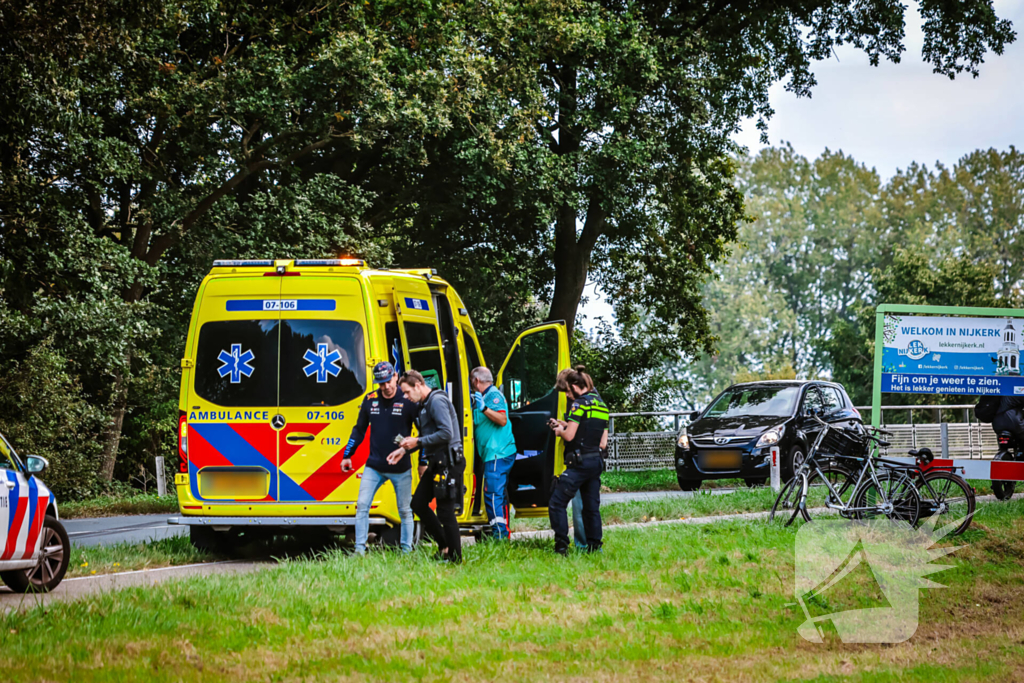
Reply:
x=585, y=478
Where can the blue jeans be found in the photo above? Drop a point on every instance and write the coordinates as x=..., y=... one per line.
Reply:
x=373, y=480
x=579, y=532
x=496, y=494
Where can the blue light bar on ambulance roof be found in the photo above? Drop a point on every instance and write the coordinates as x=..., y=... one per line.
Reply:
x=329, y=262
x=242, y=263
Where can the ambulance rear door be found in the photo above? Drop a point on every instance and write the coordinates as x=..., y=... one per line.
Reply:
x=232, y=397
x=325, y=344
x=527, y=379
x=417, y=326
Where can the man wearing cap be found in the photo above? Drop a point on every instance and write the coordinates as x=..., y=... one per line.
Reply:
x=387, y=414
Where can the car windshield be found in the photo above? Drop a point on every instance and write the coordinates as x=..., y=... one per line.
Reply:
x=775, y=401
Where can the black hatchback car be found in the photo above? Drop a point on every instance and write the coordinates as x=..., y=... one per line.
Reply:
x=733, y=436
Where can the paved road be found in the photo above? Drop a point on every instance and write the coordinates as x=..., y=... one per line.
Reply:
x=129, y=529
x=655, y=495
x=142, y=528
x=69, y=589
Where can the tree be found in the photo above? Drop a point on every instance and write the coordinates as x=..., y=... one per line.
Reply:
x=915, y=277
x=628, y=97
x=293, y=126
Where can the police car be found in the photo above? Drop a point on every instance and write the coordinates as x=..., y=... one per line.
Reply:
x=34, y=547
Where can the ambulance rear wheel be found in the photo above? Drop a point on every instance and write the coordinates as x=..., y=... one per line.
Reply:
x=55, y=555
x=203, y=538
x=390, y=535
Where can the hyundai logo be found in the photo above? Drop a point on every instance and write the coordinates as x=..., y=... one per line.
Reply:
x=721, y=439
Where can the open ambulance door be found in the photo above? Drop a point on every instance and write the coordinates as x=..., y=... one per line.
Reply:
x=417, y=327
x=527, y=379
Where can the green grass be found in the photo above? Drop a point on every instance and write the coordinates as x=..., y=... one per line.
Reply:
x=666, y=603
x=110, y=506
x=654, y=480
x=123, y=557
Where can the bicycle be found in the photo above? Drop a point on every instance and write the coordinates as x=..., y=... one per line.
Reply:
x=887, y=492
x=943, y=491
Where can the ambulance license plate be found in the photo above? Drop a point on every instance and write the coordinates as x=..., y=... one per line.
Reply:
x=719, y=460
x=233, y=483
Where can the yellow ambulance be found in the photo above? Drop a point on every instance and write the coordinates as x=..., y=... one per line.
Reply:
x=278, y=358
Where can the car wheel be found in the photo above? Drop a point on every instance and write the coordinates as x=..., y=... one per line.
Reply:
x=689, y=484
x=753, y=483
x=53, y=562
x=792, y=462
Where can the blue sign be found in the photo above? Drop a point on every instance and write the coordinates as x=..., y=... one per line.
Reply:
x=417, y=304
x=236, y=363
x=237, y=305
x=951, y=355
x=322, y=363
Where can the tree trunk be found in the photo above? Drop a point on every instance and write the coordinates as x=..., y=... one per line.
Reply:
x=112, y=434
x=572, y=260
x=119, y=394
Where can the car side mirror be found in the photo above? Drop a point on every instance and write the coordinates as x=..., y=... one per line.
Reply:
x=694, y=415
x=36, y=464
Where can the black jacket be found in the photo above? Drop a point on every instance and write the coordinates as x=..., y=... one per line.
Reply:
x=438, y=426
x=1010, y=416
x=385, y=418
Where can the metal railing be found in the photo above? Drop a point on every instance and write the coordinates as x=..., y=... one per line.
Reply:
x=966, y=439
x=652, y=450
x=642, y=451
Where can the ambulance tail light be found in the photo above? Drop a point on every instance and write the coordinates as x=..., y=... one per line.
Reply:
x=182, y=444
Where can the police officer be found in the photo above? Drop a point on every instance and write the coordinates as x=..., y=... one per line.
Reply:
x=388, y=414
x=586, y=430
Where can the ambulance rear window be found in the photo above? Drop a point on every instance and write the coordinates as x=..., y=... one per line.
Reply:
x=323, y=362
x=236, y=363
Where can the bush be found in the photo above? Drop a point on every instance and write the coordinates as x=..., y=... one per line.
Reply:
x=43, y=412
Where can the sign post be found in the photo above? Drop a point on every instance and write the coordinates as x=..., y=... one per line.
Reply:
x=775, y=470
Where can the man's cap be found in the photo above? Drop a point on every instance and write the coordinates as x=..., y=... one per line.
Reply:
x=383, y=372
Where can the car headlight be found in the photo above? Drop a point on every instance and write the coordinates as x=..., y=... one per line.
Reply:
x=683, y=441
x=771, y=437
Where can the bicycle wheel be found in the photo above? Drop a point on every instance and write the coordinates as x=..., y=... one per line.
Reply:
x=954, y=499
x=893, y=496
x=819, y=495
x=787, y=505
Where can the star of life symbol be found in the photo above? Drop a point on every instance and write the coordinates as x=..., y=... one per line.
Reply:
x=322, y=363
x=236, y=363
x=892, y=555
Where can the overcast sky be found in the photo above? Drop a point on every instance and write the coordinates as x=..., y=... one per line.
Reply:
x=889, y=116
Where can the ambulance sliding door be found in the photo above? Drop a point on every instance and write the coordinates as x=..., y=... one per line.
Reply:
x=527, y=379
